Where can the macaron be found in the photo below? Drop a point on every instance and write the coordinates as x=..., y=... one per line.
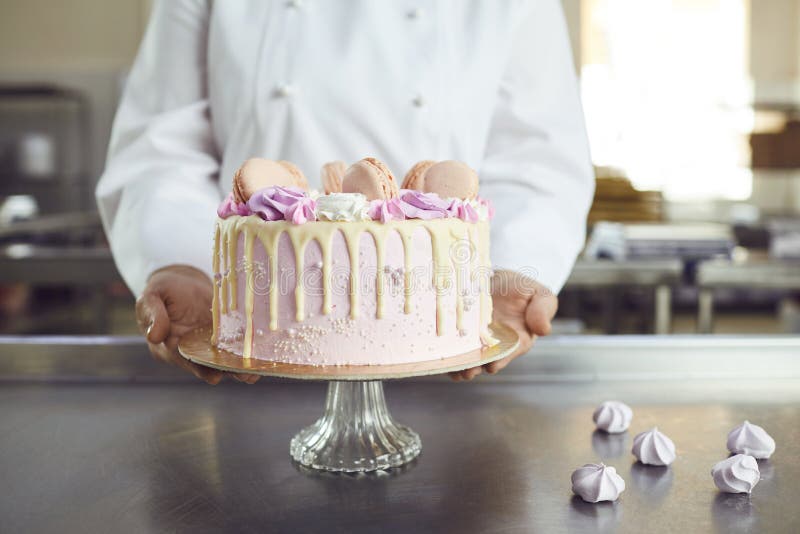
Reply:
x=414, y=178
x=258, y=173
x=451, y=179
x=370, y=177
x=299, y=177
x=331, y=175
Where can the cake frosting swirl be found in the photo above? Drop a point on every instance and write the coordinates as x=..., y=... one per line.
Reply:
x=342, y=207
x=282, y=204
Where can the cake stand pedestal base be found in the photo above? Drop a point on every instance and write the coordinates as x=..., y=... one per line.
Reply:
x=356, y=433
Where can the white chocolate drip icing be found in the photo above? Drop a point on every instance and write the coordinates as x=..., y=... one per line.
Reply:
x=445, y=235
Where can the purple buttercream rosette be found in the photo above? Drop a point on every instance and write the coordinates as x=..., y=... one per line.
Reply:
x=278, y=203
x=463, y=210
x=419, y=205
x=229, y=207
x=386, y=210
x=413, y=204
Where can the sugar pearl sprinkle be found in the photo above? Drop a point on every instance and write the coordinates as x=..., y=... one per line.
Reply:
x=343, y=325
x=396, y=277
x=303, y=340
x=468, y=302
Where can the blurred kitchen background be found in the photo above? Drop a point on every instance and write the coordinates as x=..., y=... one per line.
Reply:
x=693, y=111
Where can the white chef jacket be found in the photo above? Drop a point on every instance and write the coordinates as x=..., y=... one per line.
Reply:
x=490, y=83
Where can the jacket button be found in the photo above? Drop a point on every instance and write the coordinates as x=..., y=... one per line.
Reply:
x=284, y=91
x=418, y=101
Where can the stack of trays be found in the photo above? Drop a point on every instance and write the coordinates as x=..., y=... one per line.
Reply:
x=615, y=199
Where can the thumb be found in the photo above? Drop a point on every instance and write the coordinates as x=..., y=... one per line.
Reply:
x=540, y=311
x=152, y=315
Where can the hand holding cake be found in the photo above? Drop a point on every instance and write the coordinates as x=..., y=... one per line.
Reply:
x=439, y=199
x=176, y=301
x=309, y=321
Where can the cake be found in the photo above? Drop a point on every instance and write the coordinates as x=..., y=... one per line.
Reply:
x=365, y=274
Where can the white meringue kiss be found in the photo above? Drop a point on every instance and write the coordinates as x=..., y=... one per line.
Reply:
x=737, y=474
x=597, y=482
x=613, y=417
x=345, y=207
x=653, y=448
x=751, y=439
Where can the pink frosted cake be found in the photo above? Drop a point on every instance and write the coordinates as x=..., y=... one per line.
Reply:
x=365, y=274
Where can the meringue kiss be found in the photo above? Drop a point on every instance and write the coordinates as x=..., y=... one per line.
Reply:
x=737, y=474
x=613, y=417
x=597, y=482
x=751, y=439
x=653, y=448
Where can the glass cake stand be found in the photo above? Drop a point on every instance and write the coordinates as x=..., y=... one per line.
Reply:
x=356, y=432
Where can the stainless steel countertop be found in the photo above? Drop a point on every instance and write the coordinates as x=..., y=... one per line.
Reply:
x=88, y=456
x=53, y=265
x=554, y=358
x=759, y=273
x=607, y=273
x=496, y=457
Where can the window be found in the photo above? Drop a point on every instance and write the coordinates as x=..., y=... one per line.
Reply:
x=667, y=93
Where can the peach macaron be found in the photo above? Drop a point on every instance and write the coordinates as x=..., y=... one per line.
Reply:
x=258, y=173
x=331, y=175
x=414, y=177
x=448, y=179
x=370, y=177
x=299, y=177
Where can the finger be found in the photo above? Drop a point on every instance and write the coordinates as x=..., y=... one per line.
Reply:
x=499, y=365
x=469, y=374
x=172, y=343
x=455, y=376
x=152, y=317
x=525, y=344
x=212, y=377
x=246, y=378
x=161, y=352
x=539, y=314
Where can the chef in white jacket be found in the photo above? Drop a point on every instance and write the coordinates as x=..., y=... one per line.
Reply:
x=312, y=81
